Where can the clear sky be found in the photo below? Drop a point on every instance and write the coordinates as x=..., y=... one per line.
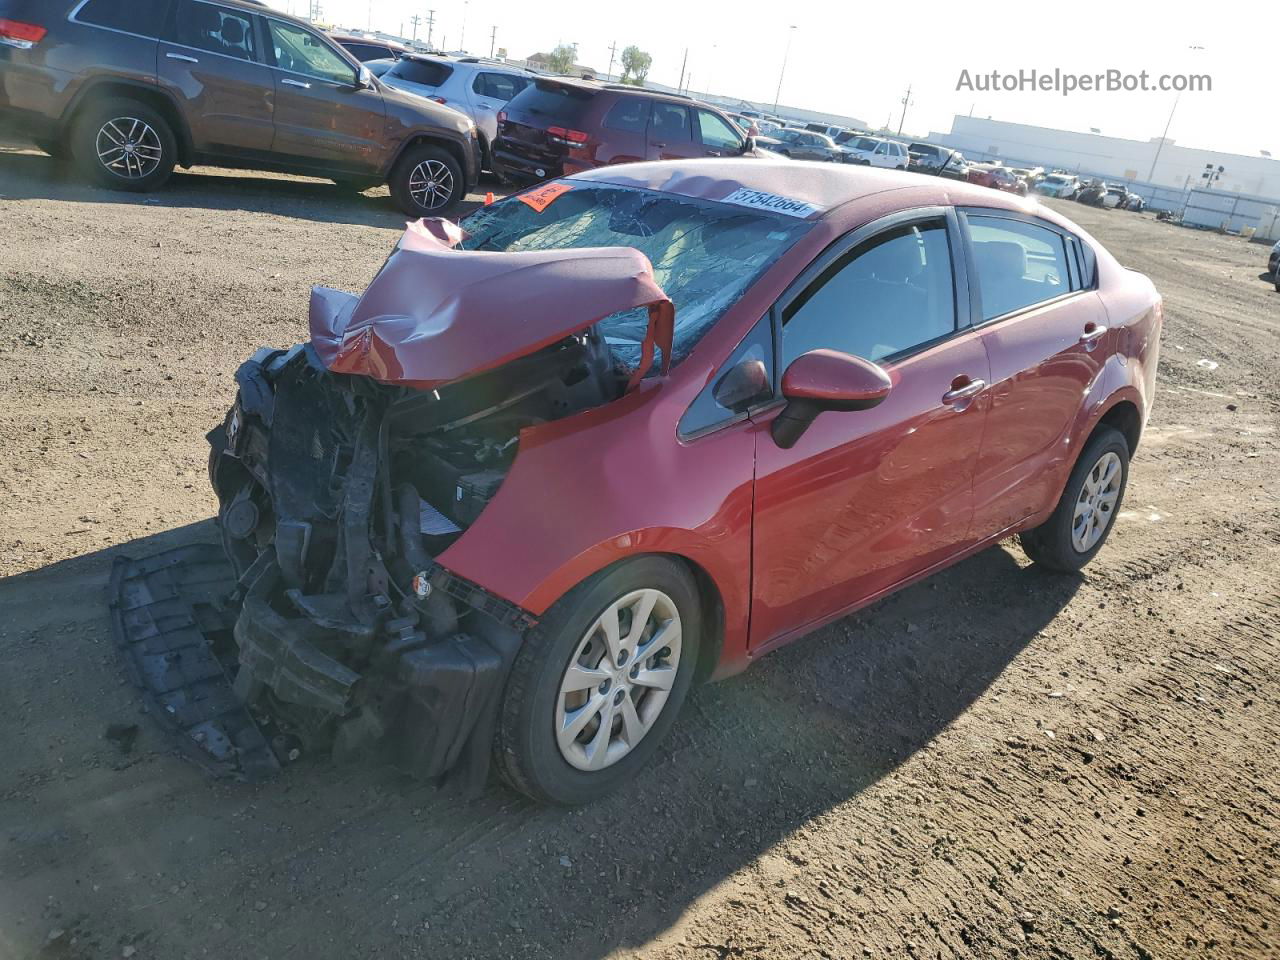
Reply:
x=858, y=59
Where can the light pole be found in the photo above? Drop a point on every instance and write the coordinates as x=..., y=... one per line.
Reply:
x=1160, y=146
x=781, y=73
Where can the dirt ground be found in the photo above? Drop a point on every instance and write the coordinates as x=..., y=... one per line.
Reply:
x=995, y=763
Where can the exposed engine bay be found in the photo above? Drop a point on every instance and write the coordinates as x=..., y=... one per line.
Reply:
x=344, y=468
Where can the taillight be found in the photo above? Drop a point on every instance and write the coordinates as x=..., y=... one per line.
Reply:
x=569, y=136
x=502, y=116
x=24, y=36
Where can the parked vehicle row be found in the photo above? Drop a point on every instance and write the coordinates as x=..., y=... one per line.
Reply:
x=129, y=91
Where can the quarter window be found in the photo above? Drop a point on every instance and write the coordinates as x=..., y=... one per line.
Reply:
x=670, y=123
x=497, y=86
x=630, y=114
x=886, y=296
x=301, y=51
x=1019, y=264
x=716, y=133
x=426, y=72
x=205, y=26
x=144, y=17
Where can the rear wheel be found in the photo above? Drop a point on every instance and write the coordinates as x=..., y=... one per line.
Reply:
x=599, y=681
x=427, y=182
x=1079, y=525
x=124, y=145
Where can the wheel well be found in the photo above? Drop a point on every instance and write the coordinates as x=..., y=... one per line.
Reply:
x=455, y=151
x=1124, y=416
x=712, y=618
x=157, y=101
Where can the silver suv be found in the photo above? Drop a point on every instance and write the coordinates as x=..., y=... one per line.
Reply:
x=473, y=86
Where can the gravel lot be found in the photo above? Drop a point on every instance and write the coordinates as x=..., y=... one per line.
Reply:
x=995, y=763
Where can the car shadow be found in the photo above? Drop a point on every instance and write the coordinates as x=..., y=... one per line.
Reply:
x=360, y=857
x=28, y=174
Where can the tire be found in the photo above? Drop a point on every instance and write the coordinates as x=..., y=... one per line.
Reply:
x=527, y=751
x=1053, y=544
x=412, y=174
x=152, y=149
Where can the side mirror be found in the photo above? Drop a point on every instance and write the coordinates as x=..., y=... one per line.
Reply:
x=748, y=146
x=364, y=79
x=825, y=380
x=741, y=384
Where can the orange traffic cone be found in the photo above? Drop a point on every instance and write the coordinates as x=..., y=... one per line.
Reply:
x=488, y=198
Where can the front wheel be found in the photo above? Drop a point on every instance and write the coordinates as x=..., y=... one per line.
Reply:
x=599, y=681
x=124, y=145
x=427, y=182
x=1078, y=527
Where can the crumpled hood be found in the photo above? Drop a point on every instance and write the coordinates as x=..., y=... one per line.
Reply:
x=435, y=314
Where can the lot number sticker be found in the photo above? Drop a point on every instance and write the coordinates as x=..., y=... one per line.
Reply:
x=760, y=200
x=540, y=197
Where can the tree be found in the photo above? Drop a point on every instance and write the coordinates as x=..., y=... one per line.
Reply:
x=635, y=65
x=560, y=60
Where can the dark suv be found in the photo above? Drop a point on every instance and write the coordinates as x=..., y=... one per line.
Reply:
x=131, y=89
x=558, y=126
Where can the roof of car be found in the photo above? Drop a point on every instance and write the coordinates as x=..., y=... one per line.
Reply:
x=597, y=86
x=820, y=186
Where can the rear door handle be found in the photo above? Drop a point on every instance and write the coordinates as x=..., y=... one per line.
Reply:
x=970, y=389
x=183, y=57
x=296, y=83
x=1093, y=332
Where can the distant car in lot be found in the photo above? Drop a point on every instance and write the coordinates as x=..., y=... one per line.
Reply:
x=560, y=125
x=1273, y=261
x=473, y=86
x=1063, y=185
x=876, y=152
x=996, y=177
x=370, y=48
x=940, y=161
x=1092, y=193
x=131, y=90
x=1028, y=175
x=802, y=145
x=573, y=532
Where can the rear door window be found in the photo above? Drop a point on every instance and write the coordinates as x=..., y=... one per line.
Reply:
x=426, y=72
x=629, y=114
x=497, y=86
x=670, y=123
x=206, y=26
x=143, y=17
x=1019, y=264
x=715, y=132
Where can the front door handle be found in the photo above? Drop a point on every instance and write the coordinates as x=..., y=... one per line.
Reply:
x=964, y=392
x=296, y=83
x=1093, y=332
x=183, y=57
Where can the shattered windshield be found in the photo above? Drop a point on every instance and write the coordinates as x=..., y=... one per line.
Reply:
x=704, y=254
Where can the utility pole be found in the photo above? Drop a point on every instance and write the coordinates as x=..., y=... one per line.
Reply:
x=370, y=23
x=781, y=73
x=431, y=22
x=415, y=20
x=462, y=43
x=906, y=102
x=613, y=49
x=683, y=64
x=1151, y=174
x=493, y=39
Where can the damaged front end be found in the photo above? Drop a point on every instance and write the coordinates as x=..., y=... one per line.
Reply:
x=344, y=468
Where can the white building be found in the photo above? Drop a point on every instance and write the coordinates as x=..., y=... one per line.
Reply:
x=1020, y=144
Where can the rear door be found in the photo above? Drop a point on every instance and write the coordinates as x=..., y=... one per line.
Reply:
x=671, y=134
x=1046, y=333
x=717, y=136
x=324, y=118
x=623, y=131
x=212, y=62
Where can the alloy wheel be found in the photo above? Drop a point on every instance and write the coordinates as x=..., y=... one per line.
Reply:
x=431, y=184
x=618, y=680
x=129, y=148
x=1095, y=506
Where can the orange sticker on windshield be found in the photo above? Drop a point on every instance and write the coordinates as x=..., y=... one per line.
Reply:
x=540, y=197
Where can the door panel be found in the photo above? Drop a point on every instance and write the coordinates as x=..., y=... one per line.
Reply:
x=866, y=499
x=671, y=132
x=1043, y=361
x=210, y=63
x=322, y=118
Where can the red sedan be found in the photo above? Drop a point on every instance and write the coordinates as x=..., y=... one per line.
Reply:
x=639, y=427
x=997, y=178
